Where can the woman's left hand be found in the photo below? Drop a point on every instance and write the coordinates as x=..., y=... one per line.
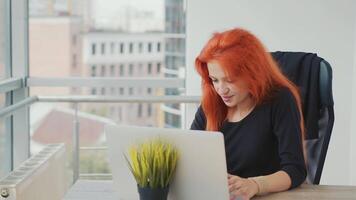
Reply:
x=241, y=187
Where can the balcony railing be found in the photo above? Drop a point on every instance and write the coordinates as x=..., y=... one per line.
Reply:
x=75, y=100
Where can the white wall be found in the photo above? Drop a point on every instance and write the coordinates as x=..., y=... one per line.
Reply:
x=326, y=27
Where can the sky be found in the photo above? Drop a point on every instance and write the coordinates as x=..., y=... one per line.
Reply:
x=143, y=14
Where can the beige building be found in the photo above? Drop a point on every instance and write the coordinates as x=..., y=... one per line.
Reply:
x=55, y=50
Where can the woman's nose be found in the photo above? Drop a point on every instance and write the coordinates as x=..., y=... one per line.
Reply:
x=223, y=89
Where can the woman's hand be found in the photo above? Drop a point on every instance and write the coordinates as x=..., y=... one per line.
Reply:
x=241, y=187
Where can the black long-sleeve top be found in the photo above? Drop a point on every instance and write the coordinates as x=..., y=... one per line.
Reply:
x=267, y=140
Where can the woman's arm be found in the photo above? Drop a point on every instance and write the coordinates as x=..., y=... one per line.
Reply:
x=249, y=187
x=276, y=182
x=199, y=122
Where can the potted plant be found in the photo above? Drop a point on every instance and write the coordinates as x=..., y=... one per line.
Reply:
x=152, y=164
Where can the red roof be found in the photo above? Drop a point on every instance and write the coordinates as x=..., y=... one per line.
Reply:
x=57, y=127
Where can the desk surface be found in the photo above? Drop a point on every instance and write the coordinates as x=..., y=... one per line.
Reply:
x=103, y=190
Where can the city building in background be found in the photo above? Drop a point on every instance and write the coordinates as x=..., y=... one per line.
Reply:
x=174, y=57
x=91, y=39
x=75, y=8
x=117, y=54
x=55, y=50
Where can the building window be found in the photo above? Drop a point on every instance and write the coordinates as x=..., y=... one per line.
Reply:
x=130, y=47
x=149, y=68
x=122, y=70
x=149, y=110
x=139, y=68
x=112, y=91
x=158, y=68
x=158, y=47
x=122, y=91
x=93, y=49
x=74, y=61
x=102, y=91
x=131, y=91
x=102, y=70
x=102, y=48
x=139, y=110
x=74, y=40
x=140, y=47
x=149, y=90
x=112, y=47
x=93, y=91
x=93, y=70
x=112, y=70
x=131, y=69
x=121, y=48
x=149, y=47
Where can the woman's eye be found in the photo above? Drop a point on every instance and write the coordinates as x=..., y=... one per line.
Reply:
x=214, y=81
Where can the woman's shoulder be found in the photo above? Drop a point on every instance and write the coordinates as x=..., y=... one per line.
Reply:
x=283, y=99
x=283, y=94
x=280, y=96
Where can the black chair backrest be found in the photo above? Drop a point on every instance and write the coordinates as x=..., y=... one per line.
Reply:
x=317, y=145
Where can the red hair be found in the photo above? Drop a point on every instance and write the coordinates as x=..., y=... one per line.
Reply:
x=242, y=56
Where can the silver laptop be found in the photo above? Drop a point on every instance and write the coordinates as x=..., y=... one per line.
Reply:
x=201, y=171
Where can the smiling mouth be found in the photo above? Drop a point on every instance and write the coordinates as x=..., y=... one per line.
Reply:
x=226, y=98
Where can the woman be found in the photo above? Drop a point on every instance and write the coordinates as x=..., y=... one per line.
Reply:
x=249, y=100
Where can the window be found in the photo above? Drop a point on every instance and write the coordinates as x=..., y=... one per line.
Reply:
x=112, y=47
x=149, y=110
x=139, y=110
x=121, y=48
x=112, y=70
x=130, y=47
x=112, y=42
x=93, y=49
x=102, y=70
x=140, y=47
x=131, y=68
x=158, y=47
x=122, y=70
x=93, y=70
x=149, y=68
x=139, y=68
x=93, y=91
x=2, y=39
x=149, y=47
x=102, y=48
x=5, y=149
x=122, y=91
x=74, y=40
x=74, y=60
x=158, y=68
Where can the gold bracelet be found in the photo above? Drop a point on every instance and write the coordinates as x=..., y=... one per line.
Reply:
x=261, y=183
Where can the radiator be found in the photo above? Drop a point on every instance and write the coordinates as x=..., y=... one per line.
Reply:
x=41, y=177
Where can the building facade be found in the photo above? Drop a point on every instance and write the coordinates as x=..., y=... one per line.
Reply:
x=117, y=54
x=174, y=57
x=55, y=50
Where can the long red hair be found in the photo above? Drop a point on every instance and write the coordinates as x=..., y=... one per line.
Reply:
x=242, y=56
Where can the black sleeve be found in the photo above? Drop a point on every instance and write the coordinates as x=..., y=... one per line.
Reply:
x=199, y=122
x=286, y=127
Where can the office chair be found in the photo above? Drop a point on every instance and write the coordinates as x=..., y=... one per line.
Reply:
x=317, y=139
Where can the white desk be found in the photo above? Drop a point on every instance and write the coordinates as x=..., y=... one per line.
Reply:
x=103, y=190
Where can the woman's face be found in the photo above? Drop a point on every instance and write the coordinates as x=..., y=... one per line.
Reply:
x=231, y=94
